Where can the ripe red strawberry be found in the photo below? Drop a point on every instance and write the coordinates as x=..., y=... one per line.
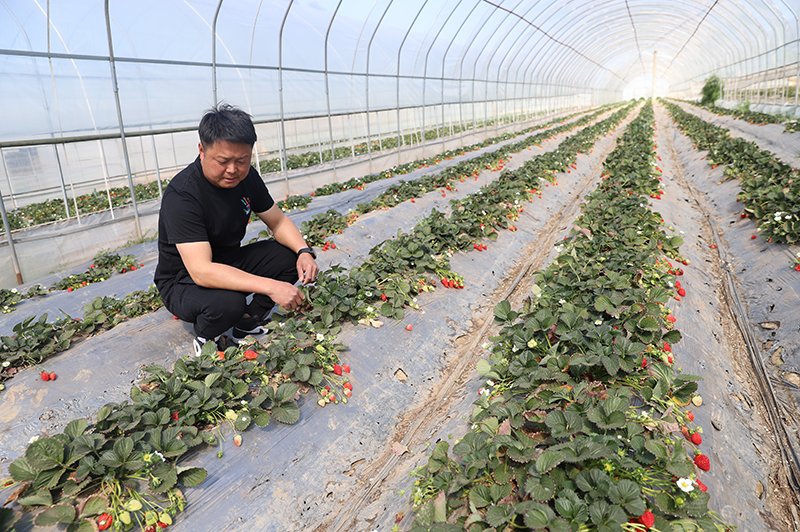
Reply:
x=133, y=268
x=337, y=369
x=697, y=439
x=647, y=519
x=670, y=318
x=221, y=355
x=69, y=289
x=175, y=416
x=53, y=376
x=348, y=386
x=700, y=485
x=176, y=317
x=250, y=355
x=669, y=359
x=667, y=347
x=702, y=462
x=348, y=393
x=45, y=376
x=681, y=292
x=690, y=415
x=753, y=237
x=409, y=327
x=346, y=368
x=677, y=284
x=333, y=246
x=104, y=521
x=383, y=297
x=644, y=362
x=713, y=246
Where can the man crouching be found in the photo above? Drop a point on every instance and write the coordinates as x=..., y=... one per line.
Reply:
x=204, y=274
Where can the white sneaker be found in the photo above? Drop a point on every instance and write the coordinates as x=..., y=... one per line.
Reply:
x=198, y=342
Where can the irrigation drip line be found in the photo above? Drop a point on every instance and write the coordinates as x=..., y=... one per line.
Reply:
x=788, y=453
x=567, y=212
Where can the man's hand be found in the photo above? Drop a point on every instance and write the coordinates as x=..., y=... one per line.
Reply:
x=287, y=295
x=307, y=269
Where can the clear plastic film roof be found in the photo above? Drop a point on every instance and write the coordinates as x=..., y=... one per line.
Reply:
x=352, y=53
x=97, y=94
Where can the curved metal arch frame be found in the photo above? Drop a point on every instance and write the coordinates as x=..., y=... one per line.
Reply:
x=425, y=73
x=583, y=30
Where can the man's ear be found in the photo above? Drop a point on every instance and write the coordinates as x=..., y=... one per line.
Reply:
x=200, y=148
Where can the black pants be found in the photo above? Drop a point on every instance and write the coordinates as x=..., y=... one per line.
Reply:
x=214, y=311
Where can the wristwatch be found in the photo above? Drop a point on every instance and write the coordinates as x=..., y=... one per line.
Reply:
x=310, y=251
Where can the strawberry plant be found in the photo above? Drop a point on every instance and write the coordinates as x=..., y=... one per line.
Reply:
x=120, y=469
x=54, y=210
x=10, y=298
x=770, y=188
x=294, y=202
x=105, y=264
x=34, y=340
x=742, y=113
x=575, y=426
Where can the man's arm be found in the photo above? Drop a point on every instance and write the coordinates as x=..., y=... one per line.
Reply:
x=197, y=259
x=285, y=231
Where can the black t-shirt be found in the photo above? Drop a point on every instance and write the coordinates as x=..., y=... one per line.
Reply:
x=194, y=210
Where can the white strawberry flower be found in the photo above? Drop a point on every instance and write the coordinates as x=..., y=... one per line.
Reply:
x=34, y=438
x=598, y=322
x=6, y=363
x=368, y=294
x=320, y=337
x=685, y=484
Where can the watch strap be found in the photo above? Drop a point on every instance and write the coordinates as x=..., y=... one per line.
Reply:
x=309, y=250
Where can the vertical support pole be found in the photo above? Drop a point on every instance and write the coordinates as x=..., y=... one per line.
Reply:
x=10, y=239
x=327, y=91
x=282, y=125
x=63, y=185
x=653, y=95
x=158, y=169
x=121, y=126
x=214, y=52
x=8, y=178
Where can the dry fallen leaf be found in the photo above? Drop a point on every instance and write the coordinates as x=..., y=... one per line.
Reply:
x=401, y=375
x=399, y=449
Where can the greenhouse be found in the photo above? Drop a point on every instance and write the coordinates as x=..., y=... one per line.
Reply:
x=538, y=265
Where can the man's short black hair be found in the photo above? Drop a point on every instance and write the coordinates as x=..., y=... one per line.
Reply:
x=226, y=122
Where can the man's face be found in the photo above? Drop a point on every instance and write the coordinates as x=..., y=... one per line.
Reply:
x=225, y=164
